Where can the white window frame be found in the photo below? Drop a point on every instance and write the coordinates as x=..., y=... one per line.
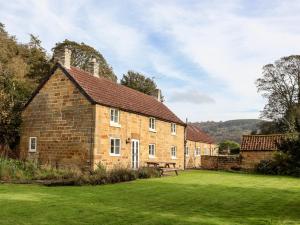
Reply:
x=198, y=151
x=173, y=152
x=187, y=151
x=151, y=150
x=114, y=115
x=30, y=144
x=173, y=128
x=114, y=148
x=152, y=124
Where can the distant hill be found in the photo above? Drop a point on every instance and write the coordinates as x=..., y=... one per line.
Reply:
x=229, y=130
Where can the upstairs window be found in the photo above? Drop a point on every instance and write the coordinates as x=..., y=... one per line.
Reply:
x=32, y=144
x=173, y=152
x=114, y=116
x=173, y=128
x=197, y=151
x=115, y=146
x=152, y=151
x=152, y=124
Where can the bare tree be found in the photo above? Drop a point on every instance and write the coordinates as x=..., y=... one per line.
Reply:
x=280, y=84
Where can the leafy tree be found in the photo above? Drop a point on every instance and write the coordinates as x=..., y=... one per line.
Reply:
x=82, y=55
x=37, y=59
x=229, y=147
x=139, y=82
x=280, y=84
x=22, y=66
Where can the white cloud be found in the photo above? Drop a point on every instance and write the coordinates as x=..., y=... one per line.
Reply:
x=227, y=41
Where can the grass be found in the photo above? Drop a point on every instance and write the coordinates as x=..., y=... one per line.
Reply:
x=194, y=197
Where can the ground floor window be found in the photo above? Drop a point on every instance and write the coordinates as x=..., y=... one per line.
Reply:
x=197, y=151
x=187, y=153
x=32, y=144
x=206, y=151
x=115, y=146
x=173, y=152
x=151, y=150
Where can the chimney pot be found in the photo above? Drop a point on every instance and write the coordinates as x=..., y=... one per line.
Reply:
x=64, y=57
x=94, y=67
x=157, y=95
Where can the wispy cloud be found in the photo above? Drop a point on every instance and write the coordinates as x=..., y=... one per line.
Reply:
x=190, y=96
x=198, y=51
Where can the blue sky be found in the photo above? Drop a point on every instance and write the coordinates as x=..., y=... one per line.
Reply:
x=204, y=55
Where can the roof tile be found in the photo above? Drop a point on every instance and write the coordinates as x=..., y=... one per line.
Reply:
x=105, y=92
x=194, y=133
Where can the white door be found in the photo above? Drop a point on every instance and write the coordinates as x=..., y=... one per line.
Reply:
x=135, y=147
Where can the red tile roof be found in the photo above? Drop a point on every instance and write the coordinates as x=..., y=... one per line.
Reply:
x=194, y=133
x=105, y=92
x=261, y=142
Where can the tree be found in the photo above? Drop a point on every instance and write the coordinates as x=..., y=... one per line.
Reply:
x=228, y=146
x=139, y=82
x=280, y=84
x=82, y=55
x=22, y=66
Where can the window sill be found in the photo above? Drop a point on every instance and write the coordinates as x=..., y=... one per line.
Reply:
x=173, y=157
x=32, y=151
x=111, y=154
x=152, y=130
x=151, y=157
x=115, y=125
x=173, y=134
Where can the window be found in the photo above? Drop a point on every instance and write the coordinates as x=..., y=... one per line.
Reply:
x=32, y=144
x=197, y=151
x=114, y=117
x=115, y=146
x=173, y=128
x=187, y=151
x=152, y=125
x=173, y=152
x=152, y=151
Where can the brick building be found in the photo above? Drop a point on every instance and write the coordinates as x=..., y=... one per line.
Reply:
x=78, y=118
x=198, y=144
x=255, y=148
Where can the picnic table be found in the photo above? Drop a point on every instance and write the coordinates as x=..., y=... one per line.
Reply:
x=163, y=167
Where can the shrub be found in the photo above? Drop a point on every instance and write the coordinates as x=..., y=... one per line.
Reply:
x=266, y=167
x=14, y=170
x=120, y=174
x=147, y=172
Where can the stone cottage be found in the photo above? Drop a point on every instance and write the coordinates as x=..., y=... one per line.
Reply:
x=255, y=148
x=78, y=118
x=198, y=144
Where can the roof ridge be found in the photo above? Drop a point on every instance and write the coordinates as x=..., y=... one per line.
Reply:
x=115, y=83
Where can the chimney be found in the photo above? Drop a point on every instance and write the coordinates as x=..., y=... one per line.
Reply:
x=64, y=57
x=157, y=95
x=94, y=67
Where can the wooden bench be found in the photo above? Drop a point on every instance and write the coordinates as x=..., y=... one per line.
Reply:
x=163, y=167
x=163, y=170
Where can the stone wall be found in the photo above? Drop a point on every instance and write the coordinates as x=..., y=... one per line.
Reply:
x=251, y=158
x=62, y=119
x=220, y=162
x=134, y=126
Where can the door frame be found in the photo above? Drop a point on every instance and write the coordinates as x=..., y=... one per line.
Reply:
x=138, y=153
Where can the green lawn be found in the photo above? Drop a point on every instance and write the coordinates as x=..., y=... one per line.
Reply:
x=194, y=197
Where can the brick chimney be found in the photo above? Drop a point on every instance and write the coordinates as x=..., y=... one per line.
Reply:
x=157, y=95
x=64, y=57
x=93, y=67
